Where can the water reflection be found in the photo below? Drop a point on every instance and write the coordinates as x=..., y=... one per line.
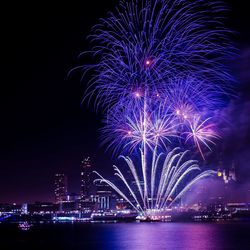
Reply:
x=155, y=236
x=127, y=236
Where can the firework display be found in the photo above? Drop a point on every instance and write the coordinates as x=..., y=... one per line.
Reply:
x=167, y=182
x=160, y=72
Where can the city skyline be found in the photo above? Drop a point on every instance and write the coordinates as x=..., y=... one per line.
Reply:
x=51, y=136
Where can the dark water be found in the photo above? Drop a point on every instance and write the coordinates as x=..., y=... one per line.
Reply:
x=127, y=236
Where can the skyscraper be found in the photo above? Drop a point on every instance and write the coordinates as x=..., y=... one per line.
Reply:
x=86, y=180
x=60, y=187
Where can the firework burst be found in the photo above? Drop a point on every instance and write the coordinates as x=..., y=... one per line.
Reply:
x=146, y=45
x=202, y=132
x=155, y=125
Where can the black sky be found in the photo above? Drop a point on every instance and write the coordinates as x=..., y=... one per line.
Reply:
x=43, y=128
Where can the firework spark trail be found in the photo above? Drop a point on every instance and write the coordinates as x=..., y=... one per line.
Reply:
x=113, y=186
x=207, y=173
x=146, y=44
x=158, y=51
x=135, y=176
x=156, y=125
x=174, y=173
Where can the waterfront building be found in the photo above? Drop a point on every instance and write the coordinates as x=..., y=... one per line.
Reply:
x=104, y=197
x=86, y=177
x=43, y=208
x=60, y=187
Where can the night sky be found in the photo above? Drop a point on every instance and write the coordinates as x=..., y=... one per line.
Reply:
x=44, y=129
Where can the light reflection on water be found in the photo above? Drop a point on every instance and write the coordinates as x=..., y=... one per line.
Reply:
x=128, y=236
x=155, y=236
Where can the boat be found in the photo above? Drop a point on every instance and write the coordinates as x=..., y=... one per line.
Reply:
x=24, y=226
x=113, y=216
x=103, y=216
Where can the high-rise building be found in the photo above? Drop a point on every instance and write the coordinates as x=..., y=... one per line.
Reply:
x=86, y=180
x=60, y=187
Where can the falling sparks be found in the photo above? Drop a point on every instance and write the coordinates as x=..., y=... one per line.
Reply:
x=160, y=193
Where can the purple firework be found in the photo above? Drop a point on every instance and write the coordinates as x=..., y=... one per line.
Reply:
x=145, y=45
x=202, y=132
x=154, y=125
x=150, y=54
x=159, y=73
